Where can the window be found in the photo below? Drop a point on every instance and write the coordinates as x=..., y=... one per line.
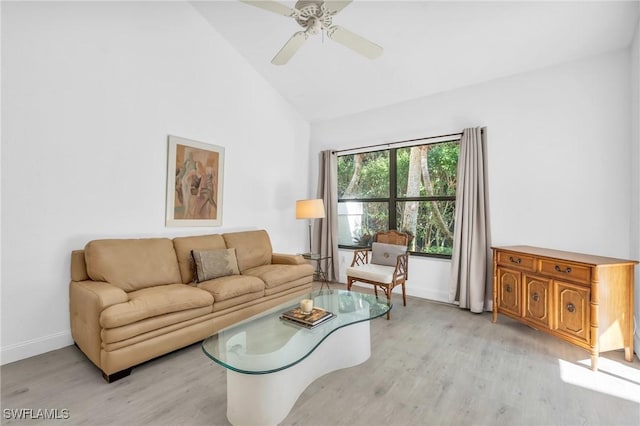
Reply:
x=411, y=189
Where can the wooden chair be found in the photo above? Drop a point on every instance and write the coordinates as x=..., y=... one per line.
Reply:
x=387, y=268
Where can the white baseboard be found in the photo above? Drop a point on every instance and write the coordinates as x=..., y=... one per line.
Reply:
x=29, y=348
x=420, y=292
x=424, y=293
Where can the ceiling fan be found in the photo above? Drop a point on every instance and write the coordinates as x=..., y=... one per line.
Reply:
x=316, y=16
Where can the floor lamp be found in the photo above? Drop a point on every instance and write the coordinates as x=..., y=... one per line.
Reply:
x=310, y=209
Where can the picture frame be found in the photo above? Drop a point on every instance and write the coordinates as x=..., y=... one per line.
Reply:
x=195, y=177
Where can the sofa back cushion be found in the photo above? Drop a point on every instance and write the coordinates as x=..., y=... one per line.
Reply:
x=184, y=245
x=132, y=264
x=253, y=248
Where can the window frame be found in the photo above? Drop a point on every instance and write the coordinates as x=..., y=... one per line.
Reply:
x=394, y=199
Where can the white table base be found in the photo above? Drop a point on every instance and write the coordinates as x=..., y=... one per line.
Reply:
x=266, y=399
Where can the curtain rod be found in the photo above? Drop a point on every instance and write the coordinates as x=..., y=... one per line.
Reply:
x=397, y=142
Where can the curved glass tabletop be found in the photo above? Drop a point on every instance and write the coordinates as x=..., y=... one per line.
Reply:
x=266, y=343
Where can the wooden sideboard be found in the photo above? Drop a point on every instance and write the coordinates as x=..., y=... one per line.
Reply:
x=583, y=299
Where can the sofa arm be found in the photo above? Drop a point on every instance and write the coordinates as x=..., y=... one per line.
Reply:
x=287, y=259
x=87, y=299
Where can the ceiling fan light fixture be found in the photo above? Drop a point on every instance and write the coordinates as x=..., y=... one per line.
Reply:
x=314, y=26
x=315, y=16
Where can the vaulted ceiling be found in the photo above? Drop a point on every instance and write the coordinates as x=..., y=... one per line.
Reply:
x=429, y=47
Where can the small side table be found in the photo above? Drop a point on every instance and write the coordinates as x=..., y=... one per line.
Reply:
x=321, y=274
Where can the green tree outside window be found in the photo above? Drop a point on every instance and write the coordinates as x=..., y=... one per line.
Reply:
x=410, y=189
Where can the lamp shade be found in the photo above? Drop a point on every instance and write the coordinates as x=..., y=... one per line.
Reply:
x=310, y=209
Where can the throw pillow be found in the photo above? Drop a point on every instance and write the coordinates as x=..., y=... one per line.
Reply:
x=212, y=264
x=386, y=254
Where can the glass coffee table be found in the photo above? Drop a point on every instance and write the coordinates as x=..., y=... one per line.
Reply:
x=271, y=361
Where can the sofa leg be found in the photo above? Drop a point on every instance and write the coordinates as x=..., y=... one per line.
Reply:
x=110, y=378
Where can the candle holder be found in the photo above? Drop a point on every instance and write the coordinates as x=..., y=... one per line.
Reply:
x=306, y=306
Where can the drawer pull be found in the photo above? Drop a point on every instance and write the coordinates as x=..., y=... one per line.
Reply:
x=571, y=307
x=535, y=297
x=566, y=270
x=513, y=260
x=508, y=288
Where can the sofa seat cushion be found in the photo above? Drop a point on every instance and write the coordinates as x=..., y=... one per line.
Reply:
x=235, y=302
x=154, y=301
x=298, y=284
x=372, y=272
x=232, y=286
x=277, y=275
x=118, y=334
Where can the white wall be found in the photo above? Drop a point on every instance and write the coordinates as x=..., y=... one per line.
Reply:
x=635, y=170
x=558, y=149
x=90, y=92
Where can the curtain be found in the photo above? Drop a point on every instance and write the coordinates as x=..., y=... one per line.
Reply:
x=326, y=234
x=469, y=274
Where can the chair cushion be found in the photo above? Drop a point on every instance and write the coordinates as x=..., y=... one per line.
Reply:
x=372, y=272
x=225, y=288
x=277, y=275
x=212, y=264
x=386, y=254
x=154, y=301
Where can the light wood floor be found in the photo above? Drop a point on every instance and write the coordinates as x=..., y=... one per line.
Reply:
x=432, y=364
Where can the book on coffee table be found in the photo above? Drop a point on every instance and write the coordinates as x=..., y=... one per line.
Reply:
x=307, y=319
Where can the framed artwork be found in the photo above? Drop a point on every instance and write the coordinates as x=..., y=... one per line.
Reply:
x=195, y=174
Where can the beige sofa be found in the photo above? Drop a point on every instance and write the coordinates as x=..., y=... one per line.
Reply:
x=131, y=300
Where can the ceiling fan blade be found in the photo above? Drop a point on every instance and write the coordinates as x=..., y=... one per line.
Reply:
x=290, y=48
x=337, y=5
x=354, y=42
x=272, y=6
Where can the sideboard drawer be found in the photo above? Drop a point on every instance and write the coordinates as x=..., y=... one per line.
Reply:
x=517, y=260
x=566, y=271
